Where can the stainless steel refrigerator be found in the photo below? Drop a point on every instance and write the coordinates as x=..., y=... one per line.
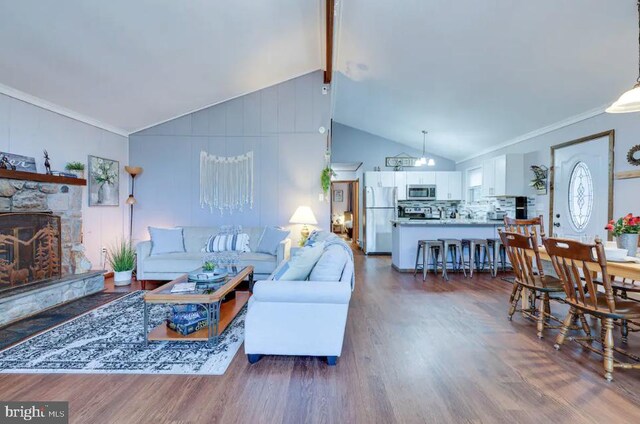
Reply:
x=379, y=210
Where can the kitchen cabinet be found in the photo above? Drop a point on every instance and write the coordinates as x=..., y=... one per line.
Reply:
x=448, y=186
x=503, y=176
x=401, y=184
x=380, y=179
x=421, y=177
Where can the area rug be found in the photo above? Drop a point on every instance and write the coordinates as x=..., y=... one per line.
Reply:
x=109, y=340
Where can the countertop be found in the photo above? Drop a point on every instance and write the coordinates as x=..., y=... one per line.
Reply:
x=442, y=222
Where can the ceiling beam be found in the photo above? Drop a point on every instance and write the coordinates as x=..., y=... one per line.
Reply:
x=329, y=41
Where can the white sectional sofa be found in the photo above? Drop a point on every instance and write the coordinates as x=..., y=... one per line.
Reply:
x=306, y=318
x=164, y=267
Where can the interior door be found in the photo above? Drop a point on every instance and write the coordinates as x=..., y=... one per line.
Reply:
x=581, y=185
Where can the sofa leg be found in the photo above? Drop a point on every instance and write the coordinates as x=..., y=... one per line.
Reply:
x=253, y=357
x=332, y=360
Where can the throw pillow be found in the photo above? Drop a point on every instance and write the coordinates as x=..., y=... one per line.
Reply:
x=228, y=242
x=330, y=265
x=270, y=239
x=166, y=240
x=299, y=266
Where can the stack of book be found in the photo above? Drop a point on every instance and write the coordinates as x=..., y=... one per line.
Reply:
x=187, y=319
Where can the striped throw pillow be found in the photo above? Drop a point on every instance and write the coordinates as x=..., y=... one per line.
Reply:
x=228, y=242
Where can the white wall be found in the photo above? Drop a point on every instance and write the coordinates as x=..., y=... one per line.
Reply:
x=27, y=129
x=279, y=124
x=537, y=151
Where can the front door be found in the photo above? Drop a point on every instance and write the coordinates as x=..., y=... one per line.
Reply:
x=582, y=195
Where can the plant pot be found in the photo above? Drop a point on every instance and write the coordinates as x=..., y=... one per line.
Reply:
x=77, y=172
x=122, y=278
x=629, y=242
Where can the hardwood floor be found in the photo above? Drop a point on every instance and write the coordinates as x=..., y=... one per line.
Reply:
x=414, y=352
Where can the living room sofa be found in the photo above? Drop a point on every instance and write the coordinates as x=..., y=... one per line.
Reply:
x=168, y=266
x=306, y=318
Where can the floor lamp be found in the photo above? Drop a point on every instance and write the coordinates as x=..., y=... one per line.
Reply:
x=133, y=171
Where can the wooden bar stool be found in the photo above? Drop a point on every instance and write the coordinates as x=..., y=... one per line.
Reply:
x=453, y=248
x=497, y=250
x=430, y=250
x=475, y=247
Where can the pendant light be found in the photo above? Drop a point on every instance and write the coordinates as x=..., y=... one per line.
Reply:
x=630, y=100
x=423, y=160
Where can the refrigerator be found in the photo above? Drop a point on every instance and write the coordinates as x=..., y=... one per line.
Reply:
x=379, y=210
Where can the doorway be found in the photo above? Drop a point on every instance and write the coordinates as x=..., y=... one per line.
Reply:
x=581, y=198
x=345, y=215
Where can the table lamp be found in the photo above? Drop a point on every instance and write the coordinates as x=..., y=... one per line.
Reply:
x=133, y=171
x=303, y=215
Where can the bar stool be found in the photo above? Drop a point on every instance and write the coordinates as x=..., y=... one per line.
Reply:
x=496, y=249
x=453, y=248
x=430, y=249
x=475, y=247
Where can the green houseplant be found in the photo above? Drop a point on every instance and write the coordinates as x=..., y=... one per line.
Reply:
x=325, y=179
x=76, y=168
x=122, y=258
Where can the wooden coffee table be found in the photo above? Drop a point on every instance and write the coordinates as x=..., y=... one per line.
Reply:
x=219, y=314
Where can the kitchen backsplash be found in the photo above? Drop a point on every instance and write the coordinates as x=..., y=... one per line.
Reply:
x=479, y=209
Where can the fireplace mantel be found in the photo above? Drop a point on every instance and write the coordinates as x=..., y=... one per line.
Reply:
x=43, y=178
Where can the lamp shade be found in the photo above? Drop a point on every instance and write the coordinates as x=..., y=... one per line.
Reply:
x=133, y=170
x=628, y=102
x=303, y=215
x=130, y=200
x=431, y=162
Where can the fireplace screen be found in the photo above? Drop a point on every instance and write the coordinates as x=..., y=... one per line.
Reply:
x=30, y=248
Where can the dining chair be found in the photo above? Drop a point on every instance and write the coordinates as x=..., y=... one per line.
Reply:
x=576, y=263
x=523, y=253
x=526, y=227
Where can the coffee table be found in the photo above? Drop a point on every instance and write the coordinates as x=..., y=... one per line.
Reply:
x=219, y=313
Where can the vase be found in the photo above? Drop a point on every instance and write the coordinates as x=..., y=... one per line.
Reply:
x=100, y=194
x=629, y=242
x=122, y=278
x=77, y=172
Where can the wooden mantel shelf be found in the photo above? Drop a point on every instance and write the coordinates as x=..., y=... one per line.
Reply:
x=42, y=178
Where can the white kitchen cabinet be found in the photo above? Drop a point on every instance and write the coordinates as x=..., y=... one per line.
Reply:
x=421, y=177
x=448, y=186
x=379, y=179
x=401, y=184
x=503, y=176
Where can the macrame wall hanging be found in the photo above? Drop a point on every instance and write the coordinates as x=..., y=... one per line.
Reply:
x=226, y=183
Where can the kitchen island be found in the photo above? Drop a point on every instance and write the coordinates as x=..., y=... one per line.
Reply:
x=405, y=234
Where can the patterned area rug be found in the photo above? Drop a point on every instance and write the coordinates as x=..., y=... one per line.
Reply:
x=109, y=340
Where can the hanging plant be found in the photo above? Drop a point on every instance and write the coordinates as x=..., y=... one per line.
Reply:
x=325, y=179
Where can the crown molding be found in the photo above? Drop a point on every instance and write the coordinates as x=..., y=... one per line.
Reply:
x=540, y=131
x=60, y=110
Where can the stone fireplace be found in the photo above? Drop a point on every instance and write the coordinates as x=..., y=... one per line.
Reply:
x=42, y=260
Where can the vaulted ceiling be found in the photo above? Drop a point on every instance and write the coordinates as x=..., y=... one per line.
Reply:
x=479, y=73
x=132, y=64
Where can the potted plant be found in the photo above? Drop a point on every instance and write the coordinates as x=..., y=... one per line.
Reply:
x=122, y=258
x=76, y=168
x=325, y=179
x=626, y=230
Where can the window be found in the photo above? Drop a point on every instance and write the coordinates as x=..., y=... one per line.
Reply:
x=580, y=196
x=474, y=184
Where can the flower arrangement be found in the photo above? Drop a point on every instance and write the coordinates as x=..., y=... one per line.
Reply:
x=104, y=172
x=628, y=224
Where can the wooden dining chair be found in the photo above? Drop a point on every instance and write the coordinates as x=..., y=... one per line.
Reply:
x=576, y=264
x=526, y=227
x=523, y=253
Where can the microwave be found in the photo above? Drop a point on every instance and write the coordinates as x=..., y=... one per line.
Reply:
x=421, y=192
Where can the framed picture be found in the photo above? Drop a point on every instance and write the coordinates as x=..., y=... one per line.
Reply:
x=104, y=182
x=338, y=196
x=22, y=163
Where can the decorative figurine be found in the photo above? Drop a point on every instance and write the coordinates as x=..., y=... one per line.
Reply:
x=47, y=165
x=5, y=164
